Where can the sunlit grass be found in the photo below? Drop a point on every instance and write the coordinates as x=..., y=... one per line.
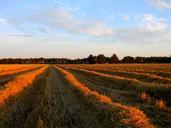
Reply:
x=145, y=97
x=19, y=84
x=161, y=104
x=134, y=117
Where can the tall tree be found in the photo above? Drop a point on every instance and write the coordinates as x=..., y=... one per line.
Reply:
x=128, y=59
x=139, y=59
x=101, y=59
x=114, y=59
x=92, y=59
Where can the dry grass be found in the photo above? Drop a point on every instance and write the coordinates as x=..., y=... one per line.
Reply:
x=12, y=69
x=106, y=75
x=144, y=77
x=40, y=123
x=97, y=98
x=114, y=82
x=19, y=104
x=145, y=97
x=142, y=96
x=131, y=116
x=19, y=84
x=8, y=67
x=161, y=104
x=131, y=67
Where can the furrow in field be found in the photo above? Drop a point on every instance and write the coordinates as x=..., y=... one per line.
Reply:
x=15, y=110
x=19, y=84
x=104, y=74
x=53, y=102
x=144, y=77
x=60, y=105
x=162, y=74
x=14, y=71
x=135, y=68
x=131, y=115
x=128, y=98
x=7, y=78
x=12, y=67
x=156, y=91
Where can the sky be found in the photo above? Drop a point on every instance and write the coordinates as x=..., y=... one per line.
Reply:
x=77, y=28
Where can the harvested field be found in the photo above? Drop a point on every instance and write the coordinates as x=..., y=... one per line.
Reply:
x=85, y=96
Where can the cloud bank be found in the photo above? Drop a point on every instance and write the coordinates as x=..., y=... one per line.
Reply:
x=162, y=4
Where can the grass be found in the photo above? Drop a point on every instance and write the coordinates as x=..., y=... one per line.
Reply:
x=14, y=111
x=85, y=96
x=140, y=120
x=127, y=97
x=18, y=84
x=144, y=77
x=40, y=123
x=131, y=67
x=160, y=104
x=145, y=97
x=115, y=82
x=14, y=70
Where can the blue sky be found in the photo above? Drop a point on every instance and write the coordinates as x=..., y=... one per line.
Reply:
x=77, y=28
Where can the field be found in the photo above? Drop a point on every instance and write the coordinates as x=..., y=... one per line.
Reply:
x=85, y=96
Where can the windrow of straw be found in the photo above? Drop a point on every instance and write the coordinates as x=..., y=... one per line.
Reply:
x=17, y=70
x=19, y=84
x=131, y=116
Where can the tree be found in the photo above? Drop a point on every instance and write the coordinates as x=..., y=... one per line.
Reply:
x=101, y=59
x=108, y=60
x=92, y=59
x=140, y=59
x=128, y=59
x=114, y=59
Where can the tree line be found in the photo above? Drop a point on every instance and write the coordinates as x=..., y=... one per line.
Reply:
x=91, y=59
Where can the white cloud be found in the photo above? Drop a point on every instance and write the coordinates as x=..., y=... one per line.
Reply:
x=96, y=28
x=49, y=20
x=52, y=47
x=135, y=42
x=153, y=23
x=3, y=21
x=162, y=4
x=124, y=16
x=63, y=19
x=65, y=5
x=137, y=36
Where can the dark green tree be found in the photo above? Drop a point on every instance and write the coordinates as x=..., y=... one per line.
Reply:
x=114, y=59
x=139, y=59
x=101, y=59
x=128, y=59
x=92, y=59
